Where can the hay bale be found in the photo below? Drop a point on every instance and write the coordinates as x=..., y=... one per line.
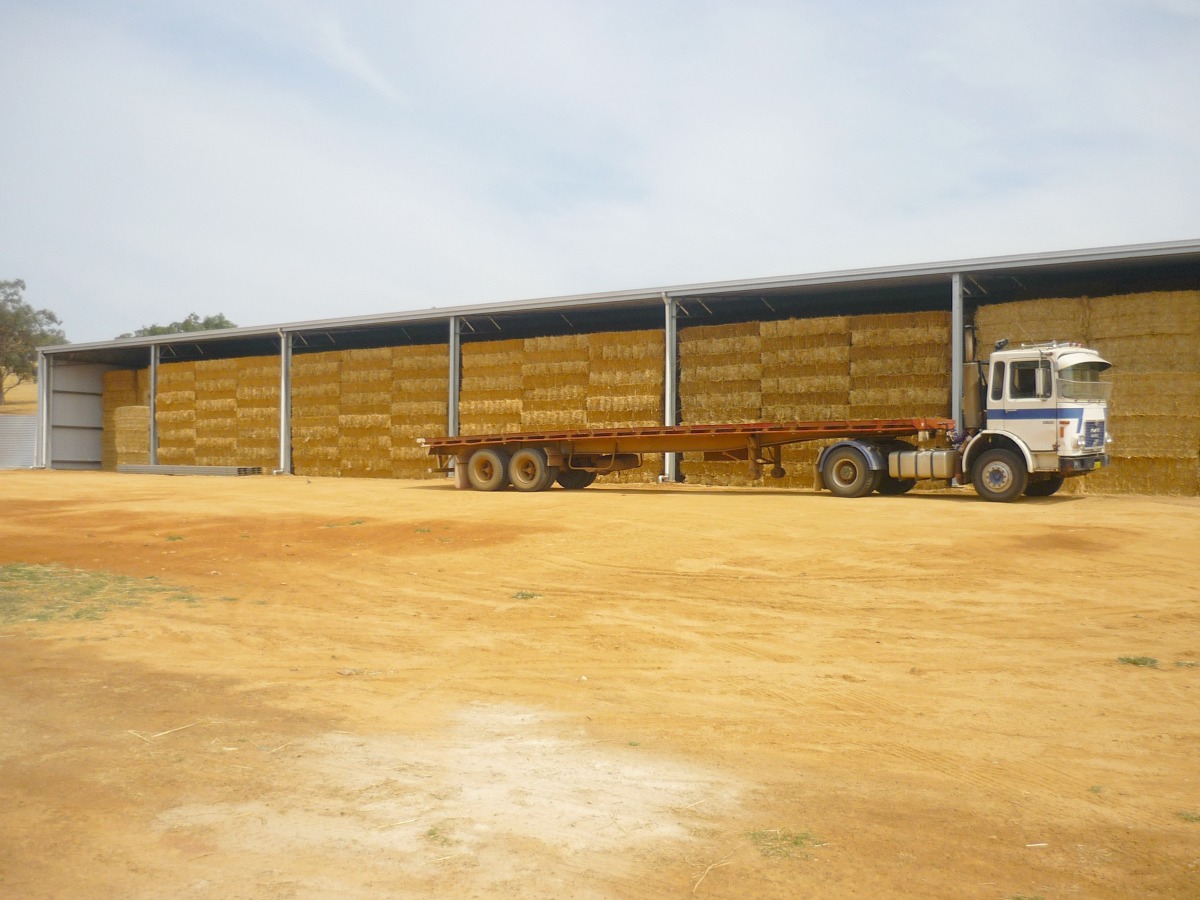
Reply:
x=1134, y=315
x=1175, y=476
x=900, y=365
x=1031, y=321
x=490, y=398
x=554, y=382
x=625, y=389
x=805, y=368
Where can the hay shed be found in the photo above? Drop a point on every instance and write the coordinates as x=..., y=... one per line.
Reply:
x=349, y=397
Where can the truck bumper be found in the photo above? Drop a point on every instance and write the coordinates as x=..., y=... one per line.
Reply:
x=1081, y=465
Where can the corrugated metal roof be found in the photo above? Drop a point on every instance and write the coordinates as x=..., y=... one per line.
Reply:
x=1080, y=260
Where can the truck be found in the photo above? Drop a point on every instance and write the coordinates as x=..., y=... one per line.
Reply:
x=1033, y=416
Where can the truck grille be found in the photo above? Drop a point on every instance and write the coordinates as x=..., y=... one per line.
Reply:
x=1093, y=435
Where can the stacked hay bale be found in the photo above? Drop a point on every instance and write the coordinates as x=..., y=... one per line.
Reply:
x=175, y=414
x=257, y=412
x=126, y=420
x=806, y=377
x=720, y=380
x=365, y=413
x=216, y=420
x=316, y=402
x=1153, y=342
x=900, y=368
x=420, y=388
x=491, y=391
x=1031, y=321
x=625, y=389
x=554, y=382
x=900, y=365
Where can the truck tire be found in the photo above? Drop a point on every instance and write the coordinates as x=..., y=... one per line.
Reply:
x=847, y=473
x=999, y=475
x=528, y=470
x=894, y=487
x=575, y=479
x=487, y=469
x=1044, y=486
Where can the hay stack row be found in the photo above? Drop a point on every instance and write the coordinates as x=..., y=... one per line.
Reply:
x=175, y=413
x=491, y=390
x=900, y=365
x=316, y=407
x=1153, y=341
x=364, y=436
x=893, y=365
x=720, y=380
x=420, y=387
x=554, y=382
x=625, y=389
x=806, y=377
x=126, y=419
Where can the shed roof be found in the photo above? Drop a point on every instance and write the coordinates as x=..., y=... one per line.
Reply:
x=1104, y=270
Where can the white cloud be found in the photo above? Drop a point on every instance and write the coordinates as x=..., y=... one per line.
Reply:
x=279, y=161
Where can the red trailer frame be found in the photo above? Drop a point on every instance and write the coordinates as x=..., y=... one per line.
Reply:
x=487, y=461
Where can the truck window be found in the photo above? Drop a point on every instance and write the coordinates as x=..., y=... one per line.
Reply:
x=1024, y=378
x=998, y=381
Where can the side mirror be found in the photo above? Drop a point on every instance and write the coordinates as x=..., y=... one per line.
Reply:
x=1043, y=382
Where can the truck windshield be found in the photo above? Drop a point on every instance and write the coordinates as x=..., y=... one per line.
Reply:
x=1082, y=382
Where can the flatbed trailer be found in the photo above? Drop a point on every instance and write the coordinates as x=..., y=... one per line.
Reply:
x=535, y=460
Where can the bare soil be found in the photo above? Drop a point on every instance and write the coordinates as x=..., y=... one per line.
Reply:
x=380, y=688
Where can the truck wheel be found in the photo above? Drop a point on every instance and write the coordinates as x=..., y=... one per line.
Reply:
x=999, y=475
x=847, y=474
x=529, y=471
x=575, y=479
x=1045, y=486
x=487, y=469
x=894, y=487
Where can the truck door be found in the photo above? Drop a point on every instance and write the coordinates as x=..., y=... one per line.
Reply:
x=1028, y=406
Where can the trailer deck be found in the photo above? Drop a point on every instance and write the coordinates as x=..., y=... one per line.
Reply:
x=724, y=439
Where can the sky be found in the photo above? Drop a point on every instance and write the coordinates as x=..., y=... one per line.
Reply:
x=285, y=160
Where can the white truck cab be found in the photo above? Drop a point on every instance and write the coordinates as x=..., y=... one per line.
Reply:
x=1033, y=416
x=1045, y=420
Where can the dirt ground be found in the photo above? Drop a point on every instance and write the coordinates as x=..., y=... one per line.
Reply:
x=321, y=687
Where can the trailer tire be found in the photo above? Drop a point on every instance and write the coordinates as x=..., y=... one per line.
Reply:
x=894, y=487
x=528, y=470
x=1045, y=486
x=999, y=475
x=575, y=479
x=847, y=473
x=487, y=469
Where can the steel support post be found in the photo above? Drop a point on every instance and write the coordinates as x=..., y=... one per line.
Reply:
x=670, y=382
x=42, y=453
x=155, y=354
x=285, y=403
x=957, y=352
x=455, y=376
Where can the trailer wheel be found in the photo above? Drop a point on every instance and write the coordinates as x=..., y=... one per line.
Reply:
x=528, y=470
x=575, y=479
x=894, y=487
x=487, y=469
x=847, y=474
x=1045, y=486
x=999, y=475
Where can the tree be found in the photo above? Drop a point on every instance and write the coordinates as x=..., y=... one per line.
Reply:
x=192, y=323
x=22, y=330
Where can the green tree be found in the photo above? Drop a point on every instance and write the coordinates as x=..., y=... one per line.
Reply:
x=22, y=330
x=192, y=323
